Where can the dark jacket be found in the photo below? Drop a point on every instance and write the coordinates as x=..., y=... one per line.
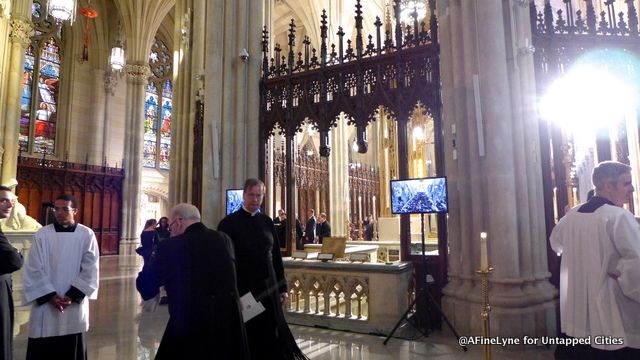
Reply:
x=310, y=230
x=197, y=270
x=323, y=231
x=10, y=261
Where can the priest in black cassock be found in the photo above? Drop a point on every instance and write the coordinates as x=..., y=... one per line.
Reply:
x=197, y=268
x=10, y=261
x=260, y=271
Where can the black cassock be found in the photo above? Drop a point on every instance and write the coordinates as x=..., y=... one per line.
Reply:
x=197, y=269
x=10, y=261
x=260, y=271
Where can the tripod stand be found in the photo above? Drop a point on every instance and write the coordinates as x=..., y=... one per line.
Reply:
x=423, y=292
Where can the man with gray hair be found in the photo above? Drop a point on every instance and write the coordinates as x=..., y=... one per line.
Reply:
x=196, y=265
x=600, y=269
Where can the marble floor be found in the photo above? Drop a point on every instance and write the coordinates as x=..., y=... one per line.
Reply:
x=120, y=331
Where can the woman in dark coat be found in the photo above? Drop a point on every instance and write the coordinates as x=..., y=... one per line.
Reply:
x=146, y=283
x=163, y=228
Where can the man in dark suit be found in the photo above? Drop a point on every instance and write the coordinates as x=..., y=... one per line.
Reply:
x=10, y=261
x=280, y=222
x=324, y=228
x=197, y=268
x=310, y=229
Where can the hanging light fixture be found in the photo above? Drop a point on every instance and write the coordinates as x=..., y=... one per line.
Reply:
x=62, y=10
x=116, y=60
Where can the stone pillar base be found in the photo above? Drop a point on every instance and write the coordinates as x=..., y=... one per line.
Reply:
x=516, y=309
x=128, y=246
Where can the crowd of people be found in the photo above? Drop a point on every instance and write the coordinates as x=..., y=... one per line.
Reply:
x=205, y=273
x=210, y=276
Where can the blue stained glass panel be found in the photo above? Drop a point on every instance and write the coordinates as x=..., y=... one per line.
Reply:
x=150, y=127
x=149, y=152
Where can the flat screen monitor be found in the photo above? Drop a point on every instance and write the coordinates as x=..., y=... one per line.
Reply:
x=234, y=200
x=419, y=196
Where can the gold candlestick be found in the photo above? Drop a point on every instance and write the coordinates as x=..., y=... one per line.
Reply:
x=486, y=308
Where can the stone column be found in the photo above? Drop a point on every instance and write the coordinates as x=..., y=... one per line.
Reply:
x=189, y=43
x=141, y=20
x=495, y=177
x=232, y=99
x=95, y=148
x=20, y=37
x=137, y=75
x=270, y=196
x=339, y=179
x=110, y=82
x=387, y=160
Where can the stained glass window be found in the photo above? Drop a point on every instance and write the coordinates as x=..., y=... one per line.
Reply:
x=158, y=109
x=40, y=86
x=150, y=126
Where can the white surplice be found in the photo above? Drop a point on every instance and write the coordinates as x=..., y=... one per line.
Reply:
x=592, y=303
x=57, y=261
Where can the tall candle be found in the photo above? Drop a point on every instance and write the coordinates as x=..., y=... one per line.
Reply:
x=484, y=261
x=360, y=207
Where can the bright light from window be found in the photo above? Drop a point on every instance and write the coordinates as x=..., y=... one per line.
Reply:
x=310, y=130
x=588, y=98
x=409, y=7
x=418, y=134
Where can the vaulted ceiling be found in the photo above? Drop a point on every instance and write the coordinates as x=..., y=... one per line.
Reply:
x=307, y=16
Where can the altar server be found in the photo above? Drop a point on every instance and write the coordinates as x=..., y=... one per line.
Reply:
x=60, y=276
x=600, y=268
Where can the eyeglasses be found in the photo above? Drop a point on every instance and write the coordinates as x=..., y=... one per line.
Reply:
x=63, y=209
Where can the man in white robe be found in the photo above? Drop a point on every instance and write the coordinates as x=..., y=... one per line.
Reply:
x=60, y=276
x=600, y=268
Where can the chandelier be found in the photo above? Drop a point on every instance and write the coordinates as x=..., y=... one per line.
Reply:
x=62, y=10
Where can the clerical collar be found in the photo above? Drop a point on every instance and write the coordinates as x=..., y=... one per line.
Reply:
x=252, y=213
x=60, y=228
x=593, y=204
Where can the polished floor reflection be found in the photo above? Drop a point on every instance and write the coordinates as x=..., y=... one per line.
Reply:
x=120, y=331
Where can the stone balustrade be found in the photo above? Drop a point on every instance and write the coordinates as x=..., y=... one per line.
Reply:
x=361, y=297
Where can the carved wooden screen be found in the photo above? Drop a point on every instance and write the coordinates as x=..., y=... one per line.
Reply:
x=98, y=190
x=394, y=70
